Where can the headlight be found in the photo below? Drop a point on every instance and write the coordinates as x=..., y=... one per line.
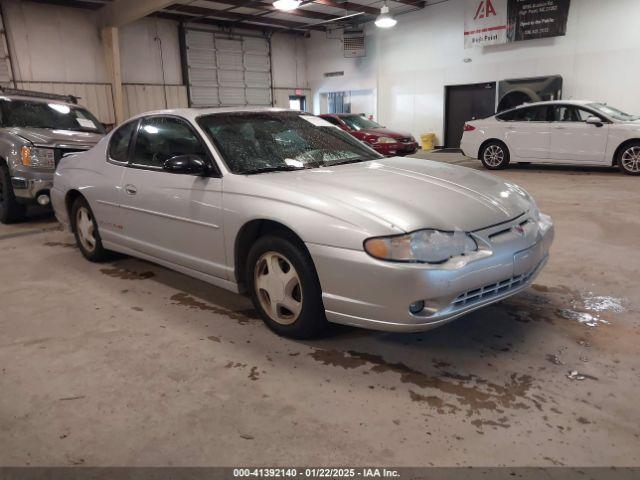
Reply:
x=424, y=246
x=386, y=140
x=38, y=157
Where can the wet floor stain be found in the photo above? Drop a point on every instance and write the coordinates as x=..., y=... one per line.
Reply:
x=137, y=309
x=471, y=393
x=126, y=274
x=214, y=339
x=60, y=244
x=254, y=374
x=185, y=300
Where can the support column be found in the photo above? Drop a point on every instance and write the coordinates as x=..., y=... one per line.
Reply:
x=111, y=44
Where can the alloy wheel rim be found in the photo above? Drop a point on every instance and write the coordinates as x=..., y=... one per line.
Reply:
x=278, y=288
x=493, y=155
x=631, y=160
x=86, y=232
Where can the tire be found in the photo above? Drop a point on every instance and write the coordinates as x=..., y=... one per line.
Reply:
x=278, y=266
x=85, y=229
x=495, y=155
x=629, y=158
x=10, y=210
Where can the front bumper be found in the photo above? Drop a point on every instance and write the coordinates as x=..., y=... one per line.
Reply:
x=28, y=185
x=361, y=291
x=396, y=149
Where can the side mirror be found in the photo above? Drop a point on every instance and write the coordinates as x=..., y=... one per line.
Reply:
x=593, y=120
x=186, y=164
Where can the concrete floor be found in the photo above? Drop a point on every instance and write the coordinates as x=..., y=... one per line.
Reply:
x=128, y=363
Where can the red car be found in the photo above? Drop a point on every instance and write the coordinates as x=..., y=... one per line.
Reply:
x=384, y=141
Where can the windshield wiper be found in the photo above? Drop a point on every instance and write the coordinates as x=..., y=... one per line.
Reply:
x=280, y=168
x=345, y=162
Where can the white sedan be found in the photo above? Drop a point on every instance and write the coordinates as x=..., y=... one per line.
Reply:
x=559, y=132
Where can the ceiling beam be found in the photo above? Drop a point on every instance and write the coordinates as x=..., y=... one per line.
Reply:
x=121, y=12
x=236, y=17
x=299, y=12
x=222, y=23
x=348, y=6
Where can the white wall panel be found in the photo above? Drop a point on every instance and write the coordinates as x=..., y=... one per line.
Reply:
x=146, y=98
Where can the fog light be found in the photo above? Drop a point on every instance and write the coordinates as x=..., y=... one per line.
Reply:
x=416, y=307
x=43, y=200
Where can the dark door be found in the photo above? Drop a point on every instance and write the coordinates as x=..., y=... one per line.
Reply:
x=464, y=103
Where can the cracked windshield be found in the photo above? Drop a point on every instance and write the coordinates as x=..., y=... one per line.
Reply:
x=253, y=143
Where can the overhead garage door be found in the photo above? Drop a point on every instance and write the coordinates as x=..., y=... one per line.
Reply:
x=225, y=70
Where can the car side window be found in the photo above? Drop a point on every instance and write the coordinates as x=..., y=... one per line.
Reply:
x=571, y=113
x=120, y=142
x=161, y=138
x=532, y=114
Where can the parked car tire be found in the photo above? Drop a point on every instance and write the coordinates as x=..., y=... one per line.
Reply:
x=629, y=158
x=10, y=210
x=495, y=155
x=284, y=287
x=85, y=229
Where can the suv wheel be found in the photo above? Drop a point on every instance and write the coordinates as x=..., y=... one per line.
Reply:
x=284, y=287
x=495, y=156
x=85, y=229
x=629, y=159
x=10, y=209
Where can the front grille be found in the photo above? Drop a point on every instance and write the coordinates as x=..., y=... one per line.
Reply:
x=493, y=290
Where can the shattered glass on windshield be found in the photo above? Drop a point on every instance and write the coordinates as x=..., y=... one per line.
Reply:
x=261, y=142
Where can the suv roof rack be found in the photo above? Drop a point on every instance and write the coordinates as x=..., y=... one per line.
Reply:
x=30, y=93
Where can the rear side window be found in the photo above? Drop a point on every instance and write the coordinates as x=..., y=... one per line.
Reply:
x=527, y=114
x=120, y=141
x=332, y=120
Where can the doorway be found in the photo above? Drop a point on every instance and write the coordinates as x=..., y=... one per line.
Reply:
x=298, y=102
x=464, y=103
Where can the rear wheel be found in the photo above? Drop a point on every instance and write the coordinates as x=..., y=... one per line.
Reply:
x=85, y=229
x=495, y=155
x=10, y=210
x=284, y=287
x=629, y=159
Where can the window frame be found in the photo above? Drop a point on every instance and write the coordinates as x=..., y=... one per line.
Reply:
x=214, y=169
x=579, y=107
x=112, y=160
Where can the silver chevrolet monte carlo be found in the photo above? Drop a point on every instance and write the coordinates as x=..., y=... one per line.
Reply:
x=314, y=225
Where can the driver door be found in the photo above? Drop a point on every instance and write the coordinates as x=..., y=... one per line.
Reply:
x=575, y=140
x=172, y=216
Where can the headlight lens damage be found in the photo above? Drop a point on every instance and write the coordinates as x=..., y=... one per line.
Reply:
x=423, y=246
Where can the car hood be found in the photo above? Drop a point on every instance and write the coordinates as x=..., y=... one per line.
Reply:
x=56, y=138
x=385, y=132
x=410, y=194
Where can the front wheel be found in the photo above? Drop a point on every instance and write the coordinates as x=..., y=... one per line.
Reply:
x=629, y=159
x=85, y=229
x=10, y=210
x=284, y=287
x=495, y=156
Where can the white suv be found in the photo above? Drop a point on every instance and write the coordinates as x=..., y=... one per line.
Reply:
x=560, y=132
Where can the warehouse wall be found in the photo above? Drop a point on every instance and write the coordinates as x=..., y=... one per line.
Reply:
x=289, y=68
x=410, y=65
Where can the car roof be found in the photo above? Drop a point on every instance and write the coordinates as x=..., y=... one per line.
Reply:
x=195, y=112
x=557, y=102
x=27, y=98
x=340, y=115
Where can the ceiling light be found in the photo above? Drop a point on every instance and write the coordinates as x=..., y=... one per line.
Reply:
x=286, y=5
x=385, y=19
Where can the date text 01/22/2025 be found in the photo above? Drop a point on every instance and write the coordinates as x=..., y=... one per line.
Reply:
x=315, y=473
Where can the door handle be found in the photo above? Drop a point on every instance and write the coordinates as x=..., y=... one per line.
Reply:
x=130, y=189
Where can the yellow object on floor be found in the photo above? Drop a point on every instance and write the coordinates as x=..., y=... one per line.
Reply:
x=428, y=141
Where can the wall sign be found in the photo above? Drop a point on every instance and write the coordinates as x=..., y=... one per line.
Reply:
x=529, y=19
x=494, y=22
